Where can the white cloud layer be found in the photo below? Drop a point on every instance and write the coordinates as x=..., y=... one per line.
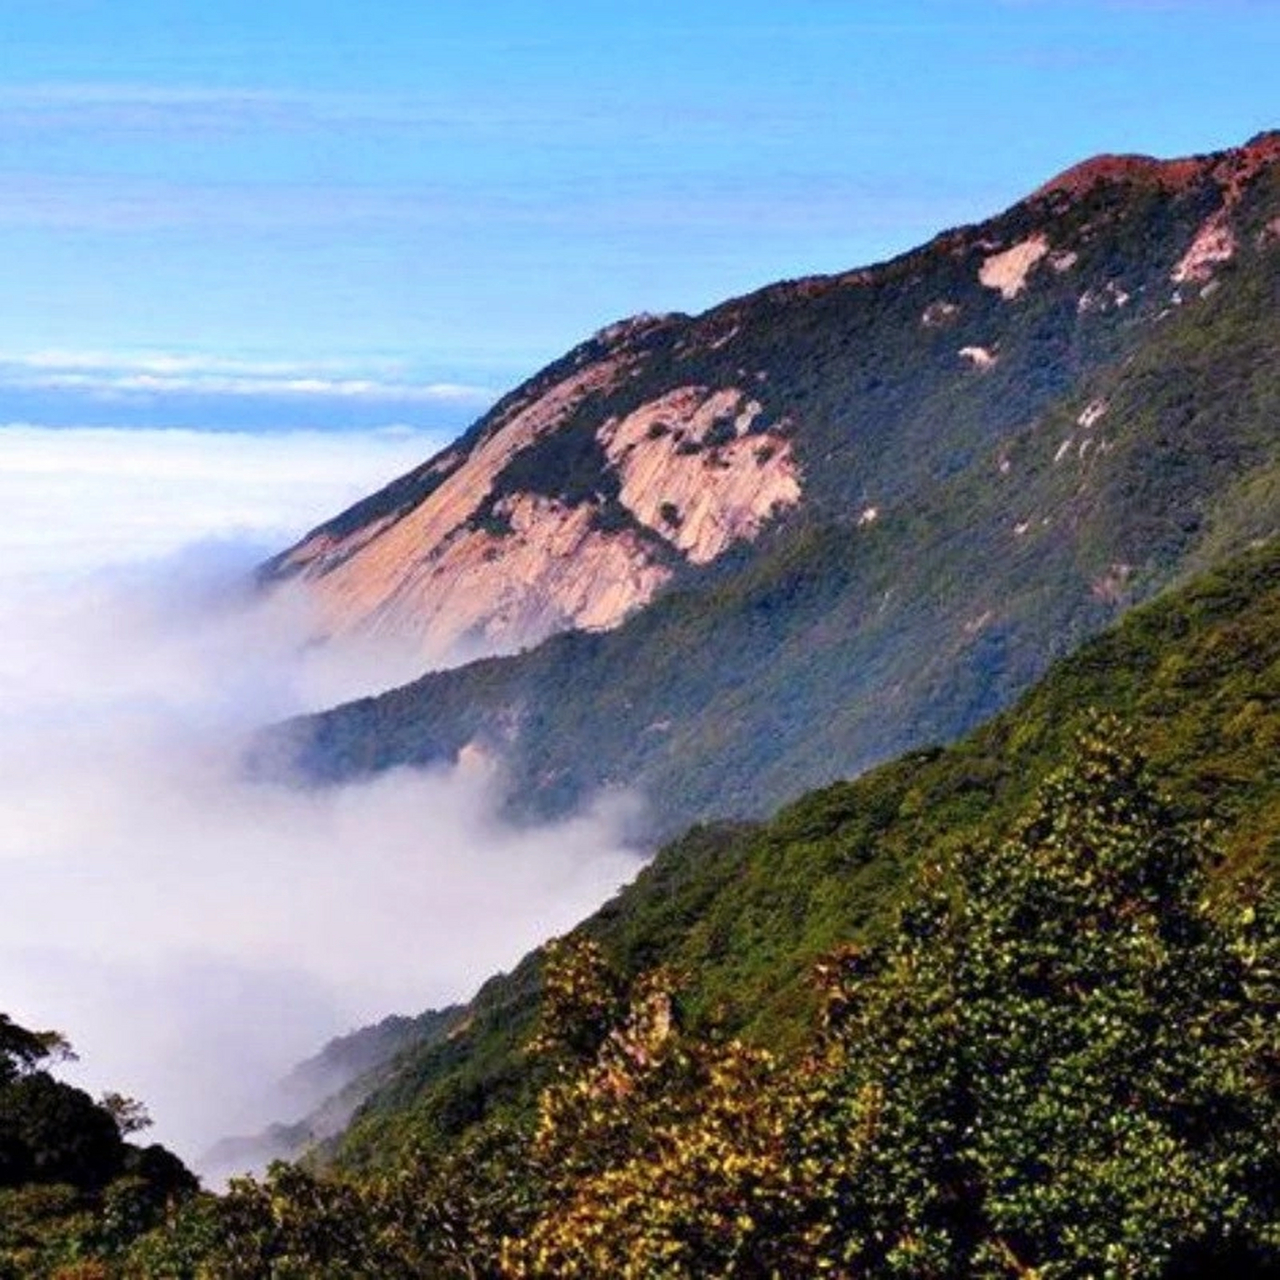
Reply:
x=78, y=498
x=195, y=932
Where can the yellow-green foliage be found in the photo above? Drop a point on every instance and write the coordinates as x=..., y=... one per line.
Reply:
x=1060, y=1064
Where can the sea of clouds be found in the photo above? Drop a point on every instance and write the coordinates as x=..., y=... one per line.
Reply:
x=195, y=932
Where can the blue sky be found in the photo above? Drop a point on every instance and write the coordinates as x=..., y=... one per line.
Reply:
x=312, y=214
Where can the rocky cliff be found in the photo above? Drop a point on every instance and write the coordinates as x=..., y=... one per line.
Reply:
x=476, y=555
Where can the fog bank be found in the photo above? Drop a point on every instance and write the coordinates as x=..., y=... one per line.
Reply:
x=195, y=933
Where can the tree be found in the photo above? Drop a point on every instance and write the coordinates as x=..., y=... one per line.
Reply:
x=65, y=1135
x=22, y=1051
x=1064, y=1064
x=129, y=1114
x=660, y=1153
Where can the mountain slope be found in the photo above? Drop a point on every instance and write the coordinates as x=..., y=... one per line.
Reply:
x=743, y=912
x=1000, y=442
x=664, y=441
x=1058, y=1058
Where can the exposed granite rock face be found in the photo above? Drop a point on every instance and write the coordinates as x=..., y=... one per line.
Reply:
x=438, y=573
x=472, y=562
x=694, y=471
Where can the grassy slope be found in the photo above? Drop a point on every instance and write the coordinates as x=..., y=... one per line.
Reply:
x=742, y=911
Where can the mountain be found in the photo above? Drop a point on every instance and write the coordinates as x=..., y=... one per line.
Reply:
x=744, y=911
x=998, y=1007
x=833, y=520
x=324, y=1091
x=1003, y=1006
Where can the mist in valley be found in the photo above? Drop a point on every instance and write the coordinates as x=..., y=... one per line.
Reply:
x=195, y=932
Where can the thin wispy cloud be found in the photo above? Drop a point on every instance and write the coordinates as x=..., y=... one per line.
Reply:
x=136, y=205
x=159, y=374
x=186, y=109
x=164, y=362
x=1208, y=8
x=221, y=385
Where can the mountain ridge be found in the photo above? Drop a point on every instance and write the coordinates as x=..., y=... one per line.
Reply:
x=964, y=518
x=472, y=546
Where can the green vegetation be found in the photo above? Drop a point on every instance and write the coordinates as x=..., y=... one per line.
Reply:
x=745, y=910
x=1059, y=1063
x=74, y=1194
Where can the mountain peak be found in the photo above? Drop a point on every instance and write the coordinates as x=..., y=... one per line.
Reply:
x=1234, y=169
x=1265, y=143
x=1173, y=175
x=1229, y=168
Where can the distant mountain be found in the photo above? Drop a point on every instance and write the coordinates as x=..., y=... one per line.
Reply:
x=836, y=519
x=325, y=1090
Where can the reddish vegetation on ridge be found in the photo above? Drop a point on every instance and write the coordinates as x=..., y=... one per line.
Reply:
x=1231, y=169
x=1172, y=175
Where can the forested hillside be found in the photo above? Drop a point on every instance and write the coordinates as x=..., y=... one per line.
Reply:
x=746, y=909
